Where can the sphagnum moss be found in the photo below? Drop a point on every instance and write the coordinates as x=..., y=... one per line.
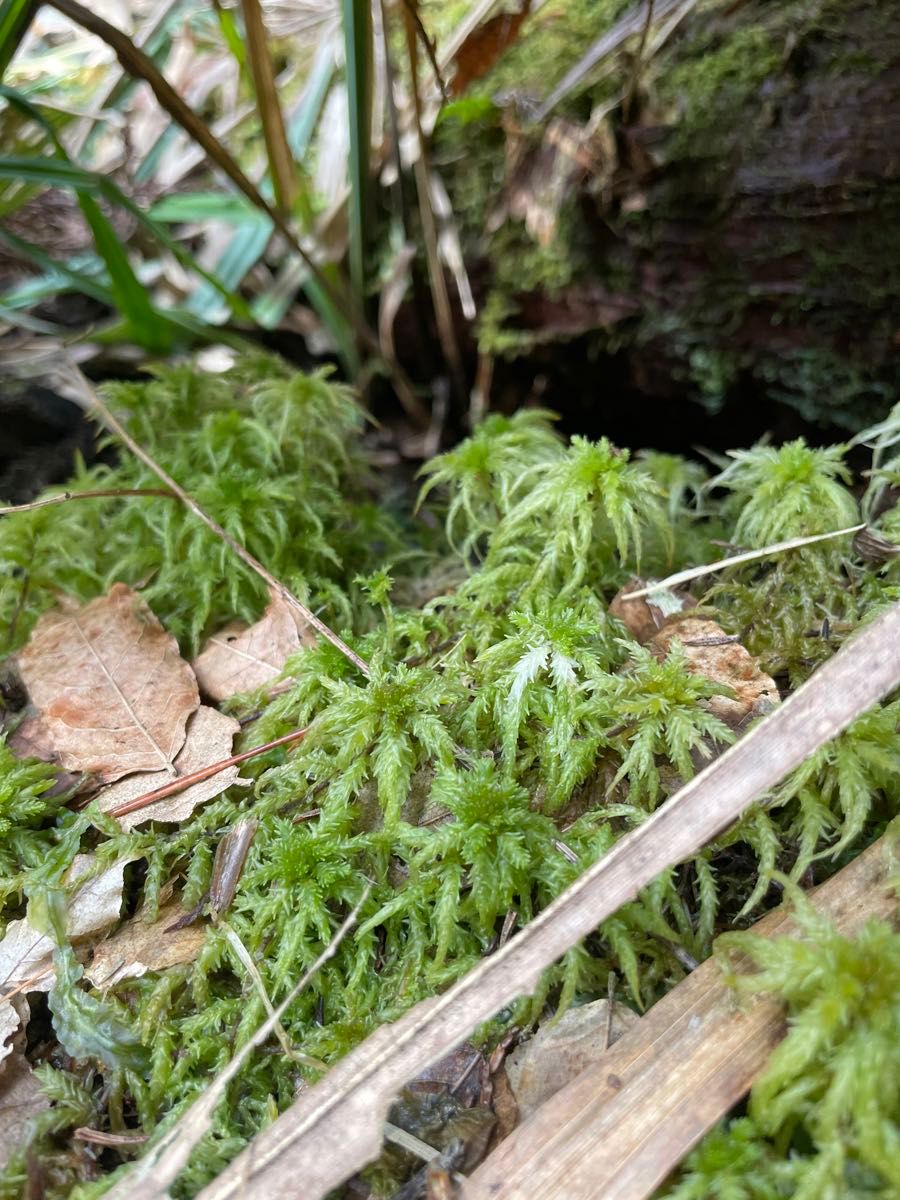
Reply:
x=510, y=732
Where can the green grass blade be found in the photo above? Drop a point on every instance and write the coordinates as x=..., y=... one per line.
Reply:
x=302, y=121
x=15, y=17
x=77, y=279
x=358, y=51
x=132, y=299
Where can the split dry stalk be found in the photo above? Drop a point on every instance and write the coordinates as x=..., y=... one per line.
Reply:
x=733, y=560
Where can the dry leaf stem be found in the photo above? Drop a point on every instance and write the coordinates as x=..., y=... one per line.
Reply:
x=733, y=560
x=243, y=554
x=186, y=781
x=100, y=493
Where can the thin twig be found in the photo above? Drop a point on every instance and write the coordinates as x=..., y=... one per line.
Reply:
x=186, y=781
x=297, y=1056
x=100, y=493
x=99, y=1137
x=748, y=556
x=422, y=174
x=244, y=555
x=412, y=8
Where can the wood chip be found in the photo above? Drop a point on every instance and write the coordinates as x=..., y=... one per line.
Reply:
x=139, y=947
x=210, y=735
x=711, y=653
x=240, y=658
x=113, y=693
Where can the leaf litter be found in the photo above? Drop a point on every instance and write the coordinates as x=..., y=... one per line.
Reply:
x=210, y=735
x=112, y=691
x=242, y=658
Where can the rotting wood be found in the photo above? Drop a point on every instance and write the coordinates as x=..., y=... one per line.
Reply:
x=625, y=1122
x=336, y=1127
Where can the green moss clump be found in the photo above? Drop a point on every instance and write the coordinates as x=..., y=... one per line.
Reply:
x=269, y=455
x=718, y=79
x=510, y=732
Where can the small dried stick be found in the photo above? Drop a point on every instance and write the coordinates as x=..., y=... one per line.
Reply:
x=63, y=497
x=734, y=559
x=185, y=781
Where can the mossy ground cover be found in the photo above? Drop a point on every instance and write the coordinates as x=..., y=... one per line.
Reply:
x=504, y=717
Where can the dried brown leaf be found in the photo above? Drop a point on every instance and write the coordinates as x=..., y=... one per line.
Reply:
x=713, y=654
x=21, y=1098
x=562, y=1049
x=9, y=1023
x=209, y=739
x=240, y=658
x=139, y=947
x=113, y=693
x=484, y=46
x=644, y=616
x=25, y=953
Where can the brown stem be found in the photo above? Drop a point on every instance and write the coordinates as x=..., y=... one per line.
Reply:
x=186, y=781
x=244, y=555
x=101, y=492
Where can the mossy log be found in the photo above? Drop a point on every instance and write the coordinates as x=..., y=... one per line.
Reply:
x=746, y=241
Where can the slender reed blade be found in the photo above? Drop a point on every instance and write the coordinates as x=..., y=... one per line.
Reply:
x=281, y=162
x=358, y=49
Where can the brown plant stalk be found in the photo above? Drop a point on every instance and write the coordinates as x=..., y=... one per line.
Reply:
x=186, y=781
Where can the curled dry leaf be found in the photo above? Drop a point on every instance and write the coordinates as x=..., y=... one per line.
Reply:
x=25, y=953
x=563, y=1049
x=209, y=738
x=712, y=653
x=139, y=947
x=644, y=616
x=21, y=1098
x=240, y=658
x=9, y=1023
x=113, y=693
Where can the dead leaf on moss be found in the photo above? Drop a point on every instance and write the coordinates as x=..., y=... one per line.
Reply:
x=644, y=616
x=21, y=1098
x=26, y=954
x=113, y=693
x=485, y=45
x=32, y=739
x=712, y=653
x=240, y=658
x=9, y=1023
x=210, y=735
x=139, y=947
x=563, y=1049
